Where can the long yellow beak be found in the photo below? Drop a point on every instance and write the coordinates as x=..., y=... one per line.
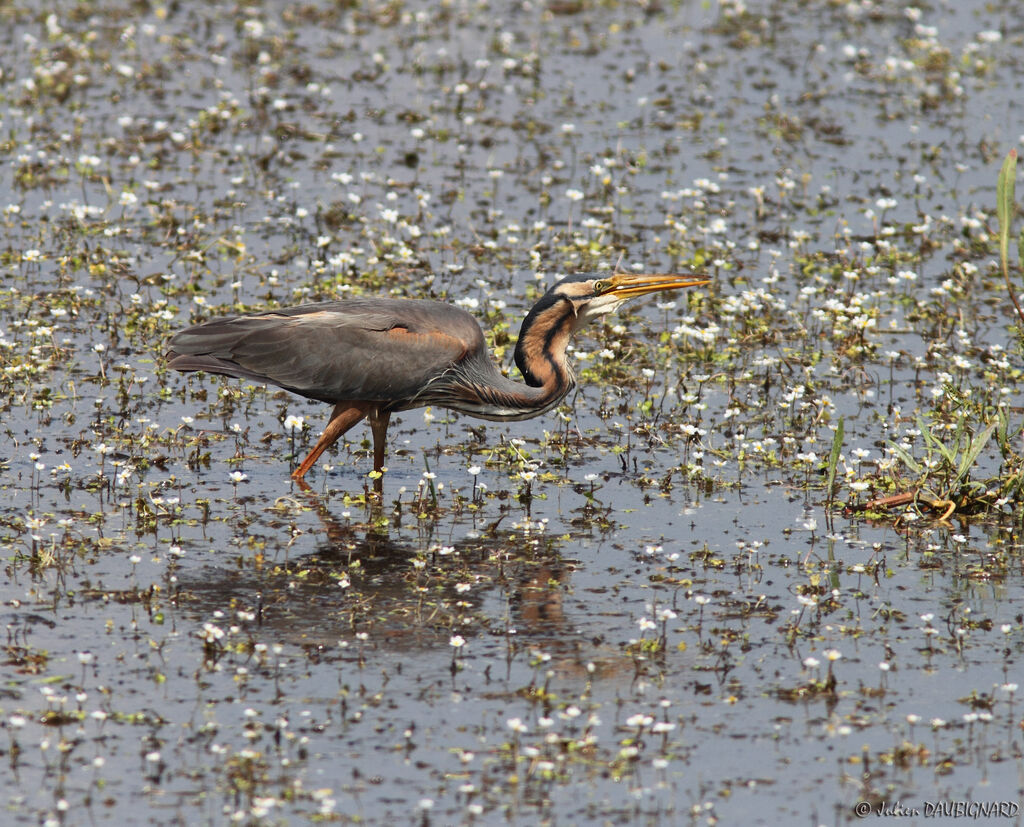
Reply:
x=627, y=286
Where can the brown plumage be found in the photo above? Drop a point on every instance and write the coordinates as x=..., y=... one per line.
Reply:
x=372, y=357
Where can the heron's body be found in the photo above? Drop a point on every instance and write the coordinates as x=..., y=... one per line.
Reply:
x=374, y=356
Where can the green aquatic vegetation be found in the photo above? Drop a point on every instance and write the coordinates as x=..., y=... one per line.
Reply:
x=833, y=461
x=945, y=468
x=951, y=473
x=1006, y=212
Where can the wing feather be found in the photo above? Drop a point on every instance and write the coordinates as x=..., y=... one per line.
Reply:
x=378, y=350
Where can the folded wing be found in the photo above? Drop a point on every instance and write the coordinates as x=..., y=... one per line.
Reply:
x=377, y=350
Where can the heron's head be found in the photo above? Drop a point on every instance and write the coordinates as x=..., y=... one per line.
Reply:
x=572, y=303
x=594, y=297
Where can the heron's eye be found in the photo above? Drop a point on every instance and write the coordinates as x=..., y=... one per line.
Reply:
x=601, y=286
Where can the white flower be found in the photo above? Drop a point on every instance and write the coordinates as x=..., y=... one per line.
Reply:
x=639, y=720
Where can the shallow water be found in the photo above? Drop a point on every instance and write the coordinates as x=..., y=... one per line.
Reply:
x=644, y=607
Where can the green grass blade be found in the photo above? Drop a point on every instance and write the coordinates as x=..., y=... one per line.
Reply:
x=906, y=459
x=969, y=458
x=1006, y=209
x=1005, y=203
x=930, y=440
x=833, y=458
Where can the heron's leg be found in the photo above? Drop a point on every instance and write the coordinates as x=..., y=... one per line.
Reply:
x=344, y=416
x=379, y=427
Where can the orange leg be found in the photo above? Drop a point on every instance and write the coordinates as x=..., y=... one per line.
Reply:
x=344, y=416
x=379, y=429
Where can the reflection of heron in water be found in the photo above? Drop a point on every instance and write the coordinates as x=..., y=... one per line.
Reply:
x=360, y=580
x=534, y=578
x=371, y=357
x=516, y=582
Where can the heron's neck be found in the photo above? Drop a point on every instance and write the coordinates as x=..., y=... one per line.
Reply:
x=540, y=357
x=540, y=350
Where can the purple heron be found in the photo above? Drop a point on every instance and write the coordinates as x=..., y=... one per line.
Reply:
x=371, y=357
